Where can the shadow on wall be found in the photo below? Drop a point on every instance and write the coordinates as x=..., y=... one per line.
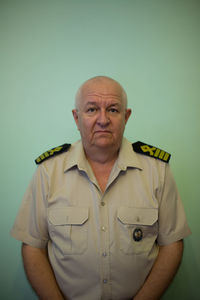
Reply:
x=21, y=287
x=184, y=284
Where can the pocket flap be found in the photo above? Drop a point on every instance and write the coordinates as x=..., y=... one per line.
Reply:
x=140, y=216
x=68, y=216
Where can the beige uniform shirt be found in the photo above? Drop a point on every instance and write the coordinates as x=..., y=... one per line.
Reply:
x=101, y=245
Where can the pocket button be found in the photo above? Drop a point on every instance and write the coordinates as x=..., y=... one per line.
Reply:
x=137, y=234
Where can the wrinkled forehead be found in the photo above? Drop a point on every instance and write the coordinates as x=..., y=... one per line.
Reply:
x=102, y=89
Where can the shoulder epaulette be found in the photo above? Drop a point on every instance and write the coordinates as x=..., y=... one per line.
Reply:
x=152, y=151
x=52, y=152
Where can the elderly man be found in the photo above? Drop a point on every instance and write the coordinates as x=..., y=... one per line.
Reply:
x=102, y=218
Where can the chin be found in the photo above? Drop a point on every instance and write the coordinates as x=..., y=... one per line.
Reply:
x=104, y=144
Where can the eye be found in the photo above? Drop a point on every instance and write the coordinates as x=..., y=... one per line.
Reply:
x=113, y=110
x=91, y=109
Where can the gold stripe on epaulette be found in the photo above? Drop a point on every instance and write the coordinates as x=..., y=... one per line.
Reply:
x=152, y=151
x=52, y=152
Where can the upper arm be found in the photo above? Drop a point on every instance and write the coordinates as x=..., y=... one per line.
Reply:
x=174, y=250
x=28, y=250
x=172, y=220
x=31, y=226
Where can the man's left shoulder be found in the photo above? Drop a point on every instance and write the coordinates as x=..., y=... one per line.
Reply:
x=151, y=151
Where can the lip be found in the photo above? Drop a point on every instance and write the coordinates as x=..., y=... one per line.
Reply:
x=102, y=131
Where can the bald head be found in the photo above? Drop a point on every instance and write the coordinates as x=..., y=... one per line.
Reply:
x=102, y=82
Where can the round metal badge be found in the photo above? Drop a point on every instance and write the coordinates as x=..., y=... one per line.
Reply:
x=137, y=234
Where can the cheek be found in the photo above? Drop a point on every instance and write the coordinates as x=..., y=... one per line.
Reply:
x=85, y=127
x=120, y=125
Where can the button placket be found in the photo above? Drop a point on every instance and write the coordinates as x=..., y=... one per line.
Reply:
x=105, y=263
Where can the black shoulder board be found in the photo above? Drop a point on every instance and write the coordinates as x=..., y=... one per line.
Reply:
x=152, y=151
x=52, y=152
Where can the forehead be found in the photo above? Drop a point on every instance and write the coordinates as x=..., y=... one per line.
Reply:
x=101, y=90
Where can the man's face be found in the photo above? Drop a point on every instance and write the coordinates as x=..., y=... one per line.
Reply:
x=101, y=114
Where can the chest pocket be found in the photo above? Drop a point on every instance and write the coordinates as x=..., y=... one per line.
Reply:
x=68, y=228
x=138, y=229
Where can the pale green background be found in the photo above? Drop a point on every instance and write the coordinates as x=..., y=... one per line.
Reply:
x=48, y=48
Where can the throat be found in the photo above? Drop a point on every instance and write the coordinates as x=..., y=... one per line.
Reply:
x=102, y=179
x=102, y=173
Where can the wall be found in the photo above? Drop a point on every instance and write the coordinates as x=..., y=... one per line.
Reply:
x=48, y=48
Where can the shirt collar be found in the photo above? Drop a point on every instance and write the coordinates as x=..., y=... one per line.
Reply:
x=127, y=157
x=76, y=157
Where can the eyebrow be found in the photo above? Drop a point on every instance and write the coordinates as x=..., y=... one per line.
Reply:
x=91, y=103
x=96, y=103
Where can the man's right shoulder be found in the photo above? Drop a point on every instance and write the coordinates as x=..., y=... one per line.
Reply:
x=52, y=152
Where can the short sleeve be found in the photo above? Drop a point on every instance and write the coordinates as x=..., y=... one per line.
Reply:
x=172, y=220
x=30, y=225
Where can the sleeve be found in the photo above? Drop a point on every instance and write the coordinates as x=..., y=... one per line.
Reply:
x=172, y=220
x=30, y=225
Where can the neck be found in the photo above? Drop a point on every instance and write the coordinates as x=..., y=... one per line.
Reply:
x=101, y=156
x=102, y=163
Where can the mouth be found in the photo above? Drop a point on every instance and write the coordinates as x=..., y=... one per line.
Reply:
x=102, y=131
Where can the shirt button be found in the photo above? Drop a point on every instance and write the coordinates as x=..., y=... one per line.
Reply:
x=105, y=280
x=102, y=203
x=104, y=254
x=103, y=228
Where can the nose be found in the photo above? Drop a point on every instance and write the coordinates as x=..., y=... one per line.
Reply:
x=103, y=118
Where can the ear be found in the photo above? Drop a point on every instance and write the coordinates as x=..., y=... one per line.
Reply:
x=127, y=114
x=75, y=115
